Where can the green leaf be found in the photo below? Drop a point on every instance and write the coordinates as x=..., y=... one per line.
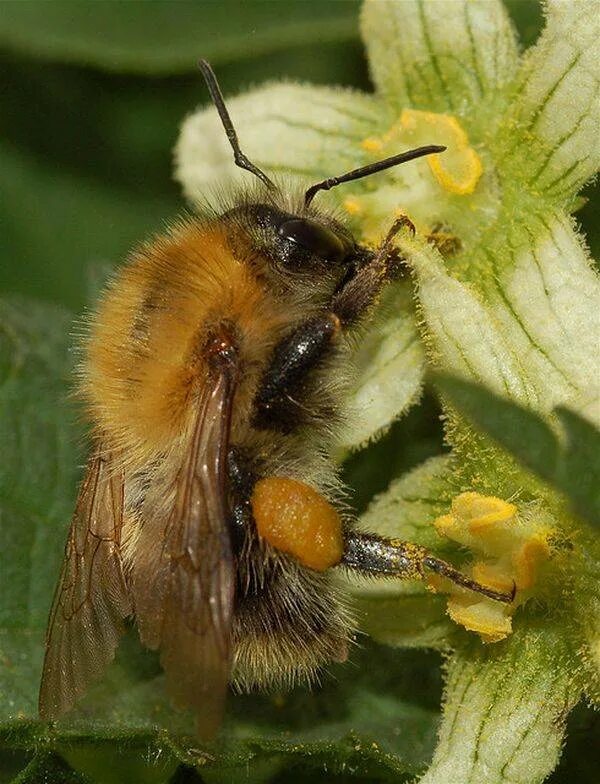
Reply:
x=49, y=768
x=367, y=715
x=58, y=224
x=39, y=461
x=571, y=464
x=578, y=472
x=164, y=37
x=505, y=710
x=527, y=18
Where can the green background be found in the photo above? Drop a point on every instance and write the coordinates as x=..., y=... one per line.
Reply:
x=91, y=98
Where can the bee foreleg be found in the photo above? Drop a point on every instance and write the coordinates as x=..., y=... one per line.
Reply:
x=311, y=341
x=375, y=555
x=363, y=289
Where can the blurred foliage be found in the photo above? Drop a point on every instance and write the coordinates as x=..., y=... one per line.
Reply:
x=164, y=38
x=85, y=156
x=91, y=100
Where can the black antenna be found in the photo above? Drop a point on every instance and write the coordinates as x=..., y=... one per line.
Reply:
x=219, y=102
x=371, y=168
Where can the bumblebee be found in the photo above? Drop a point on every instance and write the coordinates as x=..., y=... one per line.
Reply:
x=211, y=512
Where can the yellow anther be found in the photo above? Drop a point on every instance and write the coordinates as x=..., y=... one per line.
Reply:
x=460, y=179
x=352, y=206
x=447, y=525
x=482, y=510
x=483, y=617
x=458, y=170
x=509, y=552
x=492, y=576
x=372, y=144
x=527, y=559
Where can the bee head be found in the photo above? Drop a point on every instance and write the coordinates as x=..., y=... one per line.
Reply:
x=302, y=241
x=306, y=239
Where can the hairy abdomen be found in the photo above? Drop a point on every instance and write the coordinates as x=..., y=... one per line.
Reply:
x=141, y=376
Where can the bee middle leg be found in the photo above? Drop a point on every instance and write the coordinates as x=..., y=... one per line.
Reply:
x=293, y=358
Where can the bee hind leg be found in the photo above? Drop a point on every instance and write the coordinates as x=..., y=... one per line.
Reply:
x=375, y=555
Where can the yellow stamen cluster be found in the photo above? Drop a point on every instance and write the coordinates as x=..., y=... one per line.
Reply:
x=509, y=548
x=458, y=170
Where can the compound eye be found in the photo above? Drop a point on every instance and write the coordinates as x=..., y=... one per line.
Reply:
x=314, y=237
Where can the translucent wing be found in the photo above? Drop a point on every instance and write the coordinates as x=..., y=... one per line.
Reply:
x=183, y=576
x=92, y=597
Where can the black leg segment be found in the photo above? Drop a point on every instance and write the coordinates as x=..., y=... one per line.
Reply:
x=373, y=555
x=395, y=558
x=363, y=289
x=293, y=358
x=278, y=402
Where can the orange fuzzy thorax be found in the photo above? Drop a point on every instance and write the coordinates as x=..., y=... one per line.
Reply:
x=296, y=519
x=144, y=362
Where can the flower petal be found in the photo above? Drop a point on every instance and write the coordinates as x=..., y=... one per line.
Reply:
x=548, y=307
x=532, y=336
x=409, y=506
x=557, y=114
x=390, y=361
x=466, y=340
x=298, y=130
x=505, y=711
x=444, y=55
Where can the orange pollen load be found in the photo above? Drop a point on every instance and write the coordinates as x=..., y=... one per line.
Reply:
x=295, y=519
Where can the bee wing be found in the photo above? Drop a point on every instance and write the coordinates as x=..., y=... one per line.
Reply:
x=92, y=597
x=184, y=572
